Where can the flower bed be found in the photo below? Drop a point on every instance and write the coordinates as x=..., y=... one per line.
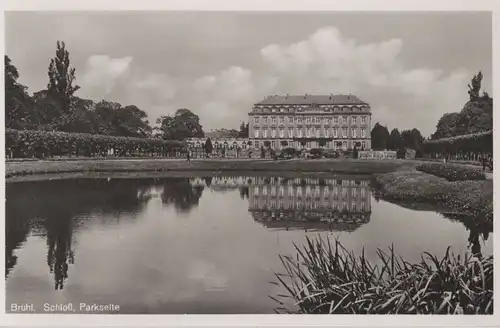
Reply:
x=40, y=144
x=452, y=172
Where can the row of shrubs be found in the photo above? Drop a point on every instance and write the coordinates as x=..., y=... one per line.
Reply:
x=317, y=153
x=42, y=144
x=325, y=278
x=452, y=172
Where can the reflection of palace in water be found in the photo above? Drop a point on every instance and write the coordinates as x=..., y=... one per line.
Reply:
x=304, y=203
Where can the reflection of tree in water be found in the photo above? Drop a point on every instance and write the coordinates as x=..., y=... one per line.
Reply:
x=244, y=192
x=16, y=230
x=180, y=193
x=477, y=230
x=50, y=208
x=59, y=239
x=208, y=181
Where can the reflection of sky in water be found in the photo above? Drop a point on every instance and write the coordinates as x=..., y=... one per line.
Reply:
x=170, y=246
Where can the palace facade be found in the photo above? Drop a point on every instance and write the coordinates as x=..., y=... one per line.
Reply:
x=310, y=121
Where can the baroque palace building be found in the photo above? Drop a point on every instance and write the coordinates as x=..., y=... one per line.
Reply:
x=310, y=121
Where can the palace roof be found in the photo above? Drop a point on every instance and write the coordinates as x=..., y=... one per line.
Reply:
x=312, y=99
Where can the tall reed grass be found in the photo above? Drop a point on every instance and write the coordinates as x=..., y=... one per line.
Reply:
x=325, y=278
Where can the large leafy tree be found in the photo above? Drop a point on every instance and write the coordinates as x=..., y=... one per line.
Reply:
x=18, y=104
x=475, y=86
x=446, y=126
x=48, y=113
x=395, y=141
x=183, y=124
x=208, y=146
x=413, y=139
x=476, y=116
x=61, y=78
x=82, y=117
x=128, y=121
x=379, y=137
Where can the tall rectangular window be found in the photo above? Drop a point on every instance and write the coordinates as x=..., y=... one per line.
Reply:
x=344, y=132
x=336, y=120
x=353, y=133
x=282, y=133
x=290, y=132
x=362, y=133
x=273, y=119
x=299, y=133
x=264, y=133
x=308, y=133
x=282, y=120
x=308, y=120
x=363, y=119
x=256, y=119
x=273, y=133
x=335, y=132
x=256, y=133
x=264, y=120
x=344, y=119
x=317, y=133
x=353, y=119
x=326, y=132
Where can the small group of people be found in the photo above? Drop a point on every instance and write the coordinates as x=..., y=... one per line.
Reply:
x=487, y=161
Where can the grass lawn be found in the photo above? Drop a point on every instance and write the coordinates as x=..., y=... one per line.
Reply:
x=209, y=165
x=474, y=198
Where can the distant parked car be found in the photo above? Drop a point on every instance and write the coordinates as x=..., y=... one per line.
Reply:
x=288, y=153
x=315, y=153
x=331, y=154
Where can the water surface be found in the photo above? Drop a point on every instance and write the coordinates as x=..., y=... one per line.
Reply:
x=194, y=245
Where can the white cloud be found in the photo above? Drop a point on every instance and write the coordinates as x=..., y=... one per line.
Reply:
x=325, y=62
x=162, y=84
x=375, y=72
x=104, y=72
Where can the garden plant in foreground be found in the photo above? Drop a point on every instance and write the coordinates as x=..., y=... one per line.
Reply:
x=325, y=278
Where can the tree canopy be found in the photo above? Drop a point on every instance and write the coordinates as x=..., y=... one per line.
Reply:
x=182, y=125
x=57, y=108
x=379, y=137
x=61, y=78
x=476, y=115
x=18, y=104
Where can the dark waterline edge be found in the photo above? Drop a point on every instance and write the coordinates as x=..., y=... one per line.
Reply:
x=141, y=174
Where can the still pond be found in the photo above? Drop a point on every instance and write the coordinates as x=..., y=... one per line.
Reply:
x=196, y=245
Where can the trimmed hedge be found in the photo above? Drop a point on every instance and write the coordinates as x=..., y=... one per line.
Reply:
x=481, y=142
x=41, y=144
x=452, y=172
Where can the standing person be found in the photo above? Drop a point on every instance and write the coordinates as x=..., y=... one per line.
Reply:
x=483, y=160
x=188, y=156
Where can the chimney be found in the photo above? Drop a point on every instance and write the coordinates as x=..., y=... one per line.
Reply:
x=331, y=94
x=286, y=97
x=305, y=97
x=349, y=96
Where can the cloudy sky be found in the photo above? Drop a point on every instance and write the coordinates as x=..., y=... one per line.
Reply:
x=411, y=67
